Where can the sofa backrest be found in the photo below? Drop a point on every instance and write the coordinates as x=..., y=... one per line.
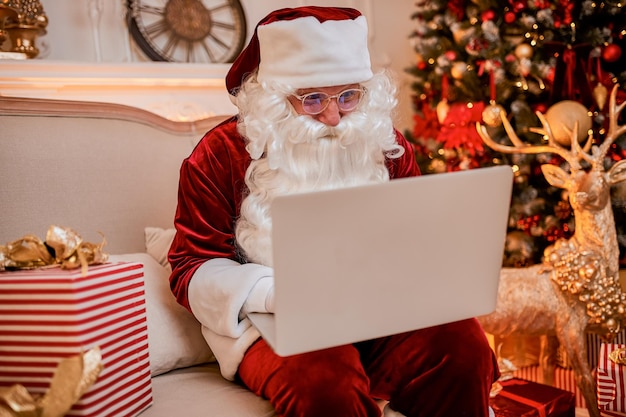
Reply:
x=102, y=169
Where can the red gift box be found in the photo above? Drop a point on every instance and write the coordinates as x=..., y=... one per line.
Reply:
x=564, y=379
x=611, y=379
x=50, y=314
x=520, y=398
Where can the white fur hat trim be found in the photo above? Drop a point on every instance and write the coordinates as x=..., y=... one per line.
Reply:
x=305, y=53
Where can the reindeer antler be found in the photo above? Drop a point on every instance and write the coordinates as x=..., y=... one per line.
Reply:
x=572, y=156
x=615, y=131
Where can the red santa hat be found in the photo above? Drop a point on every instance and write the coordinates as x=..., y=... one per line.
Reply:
x=306, y=47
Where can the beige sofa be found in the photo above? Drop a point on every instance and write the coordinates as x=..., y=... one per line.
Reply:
x=112, y=169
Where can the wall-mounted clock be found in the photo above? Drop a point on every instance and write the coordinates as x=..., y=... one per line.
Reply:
x=206, y=31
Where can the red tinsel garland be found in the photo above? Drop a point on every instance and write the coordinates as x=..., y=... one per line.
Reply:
x=458, y=130
x=426, y=125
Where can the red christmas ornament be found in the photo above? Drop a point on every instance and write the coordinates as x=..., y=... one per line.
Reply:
x=518, y=6
x=451, y=55
x=542, y=4
x=457, y=8
x=510, y=58
x=488, y=15
x=550, y=75
x=509, y=17
x=421, y=65
x=475, y=46
x=611, y=53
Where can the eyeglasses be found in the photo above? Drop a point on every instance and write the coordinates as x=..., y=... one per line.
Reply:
x=315, y=103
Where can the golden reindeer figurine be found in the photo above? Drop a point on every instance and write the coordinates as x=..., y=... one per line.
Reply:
x=576, y=288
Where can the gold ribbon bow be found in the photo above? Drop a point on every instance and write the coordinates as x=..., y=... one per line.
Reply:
x=72, y=378
x=618, y=356
x=69, y=251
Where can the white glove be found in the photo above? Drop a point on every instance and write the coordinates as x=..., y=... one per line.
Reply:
x=261, y=297
x=269, y=300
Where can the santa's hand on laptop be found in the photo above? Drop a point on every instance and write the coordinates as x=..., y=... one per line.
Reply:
x=261, y=297
x=269, y=300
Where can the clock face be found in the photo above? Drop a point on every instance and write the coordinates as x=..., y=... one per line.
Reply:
x=203, y=31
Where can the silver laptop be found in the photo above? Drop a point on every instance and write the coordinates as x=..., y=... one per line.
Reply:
x=370, y=261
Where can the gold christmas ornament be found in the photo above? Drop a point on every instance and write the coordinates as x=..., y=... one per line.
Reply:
x=562, y=117
x=513, y=34
x=437, y=166
x=600, y=94
x=491, y=115
x=442, y=110
x=458, y=70
x=462, y=34
x=523, y=50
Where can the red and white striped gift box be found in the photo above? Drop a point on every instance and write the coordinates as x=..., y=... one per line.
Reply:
x=604, y=413
x=49, y=314
x=611, y=380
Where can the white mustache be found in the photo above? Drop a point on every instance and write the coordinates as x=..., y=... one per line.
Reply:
x=315, y=130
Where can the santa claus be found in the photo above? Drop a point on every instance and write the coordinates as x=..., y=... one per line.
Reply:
x=312, y=116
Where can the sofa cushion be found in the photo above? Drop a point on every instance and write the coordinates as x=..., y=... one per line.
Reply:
x=201, y=391
x=158, y=242
x=174, y=336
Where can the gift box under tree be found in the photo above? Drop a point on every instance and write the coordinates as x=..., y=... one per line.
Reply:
x=49, y=314
x=604, y=413
x=521, y=398
x=611, y=379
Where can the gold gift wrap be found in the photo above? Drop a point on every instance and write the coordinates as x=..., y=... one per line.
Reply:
x=63, y=246
x=72, y=378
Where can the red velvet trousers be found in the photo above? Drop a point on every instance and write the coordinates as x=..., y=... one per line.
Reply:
x=442, y=371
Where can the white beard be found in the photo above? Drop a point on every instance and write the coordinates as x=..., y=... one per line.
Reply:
x=301, y=154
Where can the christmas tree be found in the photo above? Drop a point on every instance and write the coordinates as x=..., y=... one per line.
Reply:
x=476, y=58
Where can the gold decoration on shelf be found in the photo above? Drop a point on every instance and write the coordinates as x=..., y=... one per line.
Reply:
x=21, y=22
x=72, y=378
x=7, y=10
x=70, y=251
